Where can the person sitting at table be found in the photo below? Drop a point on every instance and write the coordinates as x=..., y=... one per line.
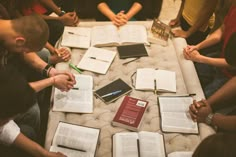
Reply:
x=214, y=71
x=18, y=103
x=217, y=145
x=119, y=12
x=195, y=19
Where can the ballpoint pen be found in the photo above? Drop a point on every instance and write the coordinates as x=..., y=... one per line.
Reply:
x=77, y=34
x=98, y=59
x=155, y=86
x=75, y=68
x=112, y=93
x=81, y=150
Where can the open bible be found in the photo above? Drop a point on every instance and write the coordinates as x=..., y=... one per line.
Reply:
x=74, y=140
x=138, y=144
x=110, y=35
x=175, y=116
x=79, y=99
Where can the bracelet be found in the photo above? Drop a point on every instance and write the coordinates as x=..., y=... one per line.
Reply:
x=45, y=70
x=49, y=71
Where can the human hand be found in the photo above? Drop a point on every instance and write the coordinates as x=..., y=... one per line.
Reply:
x=180, y=33
x=54, y=154
x=64, y=53
x=54, y=72
x=120, y=19
x=199, y=110
x=193, y=56
x=62, y=82
x=190, y=48
x=69, y=19
x=174, y=22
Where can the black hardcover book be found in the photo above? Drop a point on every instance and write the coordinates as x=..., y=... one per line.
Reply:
x=132, y=51
x=113, y=91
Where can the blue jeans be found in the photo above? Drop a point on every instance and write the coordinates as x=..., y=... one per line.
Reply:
x=29, y=124
x=211, y=78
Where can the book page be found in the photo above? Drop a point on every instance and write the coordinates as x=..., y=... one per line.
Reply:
x=174, y=115
x=106, y=35
x=151, y=144
x=133, y=34
x=125, y=144
x=181, y=154
x=97, y=60
x=145, y=79
x=165, y=80
x=79, y=99
x=76, y=37
x=76, y=138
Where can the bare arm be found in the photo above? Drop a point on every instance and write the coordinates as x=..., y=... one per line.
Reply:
x=136, y=7
x=203, y=16
x=105, y=10
x=33, y=148
x=176, y=21
x=50, y=4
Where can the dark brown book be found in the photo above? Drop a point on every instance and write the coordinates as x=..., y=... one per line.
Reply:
x=130, y=113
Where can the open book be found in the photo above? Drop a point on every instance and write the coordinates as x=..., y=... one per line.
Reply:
x=174, y=114
x=110, y=35
x=181, y=154
x=74, y=140
x=149, y=79
x=138, y=144
x=97, y=60
x=78, y=99
x=159, y=33
x=78, y=37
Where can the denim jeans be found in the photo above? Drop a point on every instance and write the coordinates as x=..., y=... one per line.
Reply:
x=211, y=78
x=29, y=124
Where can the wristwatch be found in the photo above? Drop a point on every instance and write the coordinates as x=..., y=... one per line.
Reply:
x=62, y=13
x=208, y=119
x=45, y=70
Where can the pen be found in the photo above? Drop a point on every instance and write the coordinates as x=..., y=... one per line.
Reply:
x=75, y=88
x=98, y=59
x=155, y=86
x=77, y=34
x=131, y=61
x=75, y=68
x=112, y=93
x=81, y=150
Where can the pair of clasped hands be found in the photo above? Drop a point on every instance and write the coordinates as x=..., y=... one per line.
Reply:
x=120, y=19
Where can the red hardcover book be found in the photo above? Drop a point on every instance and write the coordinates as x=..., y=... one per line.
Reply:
x=130, y=113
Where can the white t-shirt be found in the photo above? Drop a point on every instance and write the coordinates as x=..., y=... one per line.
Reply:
x=9, y=132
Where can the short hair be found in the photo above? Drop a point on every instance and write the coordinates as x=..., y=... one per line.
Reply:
x=34, y=29
x=16, y=95
x=230, y=50
x=217, y=145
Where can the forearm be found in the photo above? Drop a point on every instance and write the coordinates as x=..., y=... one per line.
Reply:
x=105, y=10
x=39, y=85
x=224, y=122
x=203, y=17
x=50, y=4
x=29, y=146
x=136, y=7
x=217, y=62
x=212, y=39
x=34, y=61
x=180, y=10
x=50, y=48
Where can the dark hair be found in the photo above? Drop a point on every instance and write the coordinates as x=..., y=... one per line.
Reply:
x=230, y=50
x=217, y=145
x=34, y=29
x=16, y=95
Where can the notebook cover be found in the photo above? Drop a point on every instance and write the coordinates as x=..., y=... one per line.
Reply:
x=116, y=85
x=131, y=51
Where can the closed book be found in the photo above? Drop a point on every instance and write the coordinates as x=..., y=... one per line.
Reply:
x=130, y=113
x=132, y=51
x=113, y=90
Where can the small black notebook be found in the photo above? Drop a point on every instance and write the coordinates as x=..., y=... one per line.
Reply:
x=132, y=51
x=117, y=87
